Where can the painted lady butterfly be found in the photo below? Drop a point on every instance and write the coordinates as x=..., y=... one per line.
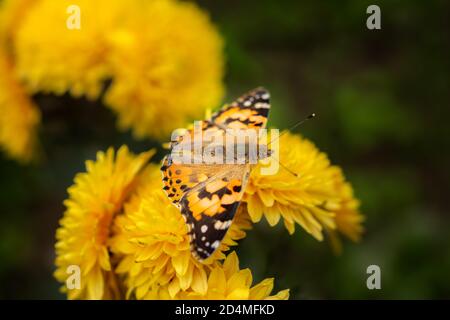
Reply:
x=208, y=195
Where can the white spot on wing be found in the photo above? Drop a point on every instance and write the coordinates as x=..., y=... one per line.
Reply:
x=262, y=105
x=215, y=244
x=219, y=225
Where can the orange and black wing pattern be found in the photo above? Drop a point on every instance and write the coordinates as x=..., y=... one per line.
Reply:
x=208, y=195
x=209, y=209
x=250, y=111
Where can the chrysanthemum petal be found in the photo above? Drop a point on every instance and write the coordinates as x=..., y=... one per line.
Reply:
x=227, y=281
x=282, y=295
x=317, y=198
x=217, y=281
x=83, y=237
x=262, y=289
x=181, y=262
x=95, y=284
x=199, y=281
x=19, y=118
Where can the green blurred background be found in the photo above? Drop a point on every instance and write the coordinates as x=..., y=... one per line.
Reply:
x=382, y=104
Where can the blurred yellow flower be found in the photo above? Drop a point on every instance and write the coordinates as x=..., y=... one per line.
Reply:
x=317, y=198
x=348, y=219
x=52, y=58
x=152, y=242
x=227, y=282
x=12, y=13
x=19, y=116
x=82, y=238
x=166, y=66
x=163, y=57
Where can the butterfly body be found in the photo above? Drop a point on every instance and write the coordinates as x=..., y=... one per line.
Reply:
x=208, y=182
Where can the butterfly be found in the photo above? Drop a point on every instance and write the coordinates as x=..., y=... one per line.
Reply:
x=209, y=194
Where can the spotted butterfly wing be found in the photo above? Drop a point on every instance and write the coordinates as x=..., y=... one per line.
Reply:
x=179, y=179
x=209, y=208
x=250, y=111
x=208, y=195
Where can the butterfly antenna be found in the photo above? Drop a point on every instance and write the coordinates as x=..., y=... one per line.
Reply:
x=285, y=168
x=312, y=115
x=286, y=131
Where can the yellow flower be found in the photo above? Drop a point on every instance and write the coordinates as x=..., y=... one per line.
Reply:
x=348, y=219
x=119, y=221
x=19, y=116
x=82, y=238
x=227, y=282
x=152, y=242
x=317, y=198
x=12, y=13
x=126, y=235
x=52, y=58
x=167, y=66
x=163, y=57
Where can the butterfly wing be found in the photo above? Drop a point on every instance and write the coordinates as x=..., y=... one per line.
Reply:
x=250, y=111
x=209, y=208
x=178, y=179
x=208, y=195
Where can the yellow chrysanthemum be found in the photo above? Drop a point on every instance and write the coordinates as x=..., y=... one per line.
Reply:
x=166, y=66
x=19, y=116
x=151, y=238
x=52, y=58
x=12, y=13
x=227, y=282
x=94, y=200
x=317, y=198
x=348, y=219
x=163, y=57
